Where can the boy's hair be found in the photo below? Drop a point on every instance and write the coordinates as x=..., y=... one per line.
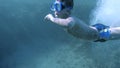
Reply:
x=68, y=3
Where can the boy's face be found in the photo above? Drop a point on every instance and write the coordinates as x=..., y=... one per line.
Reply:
x=62, y=14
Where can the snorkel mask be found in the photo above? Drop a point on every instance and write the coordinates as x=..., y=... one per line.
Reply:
x=57, y=6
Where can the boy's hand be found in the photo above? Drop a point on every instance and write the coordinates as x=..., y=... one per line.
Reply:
x=49, y=17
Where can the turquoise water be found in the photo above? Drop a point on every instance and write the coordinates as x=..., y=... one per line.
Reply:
x=28, y=41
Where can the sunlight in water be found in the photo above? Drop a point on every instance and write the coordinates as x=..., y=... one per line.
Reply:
x=107, y=12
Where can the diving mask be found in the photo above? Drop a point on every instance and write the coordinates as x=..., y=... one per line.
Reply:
x=57, y=6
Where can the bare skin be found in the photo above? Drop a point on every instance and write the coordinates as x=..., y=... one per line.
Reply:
x=115, y=33
x=74, y=26
x=79, y=29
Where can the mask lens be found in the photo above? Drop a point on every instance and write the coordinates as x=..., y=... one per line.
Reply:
x=57, y=6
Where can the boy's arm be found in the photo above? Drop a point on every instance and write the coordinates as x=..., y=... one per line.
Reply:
x=59, y=21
